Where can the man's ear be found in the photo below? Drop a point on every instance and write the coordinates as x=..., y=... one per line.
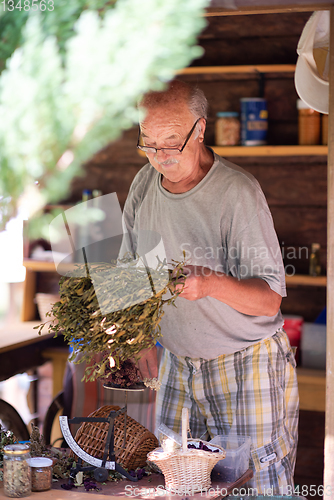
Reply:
x=201, y=129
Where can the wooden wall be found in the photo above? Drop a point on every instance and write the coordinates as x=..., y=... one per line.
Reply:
x=295, y=187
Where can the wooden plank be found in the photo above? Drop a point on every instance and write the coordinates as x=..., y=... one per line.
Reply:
x=310, y=453
x=19, y=334
x=304, y=301
x=259, y=68
x=300, y=226
x=265, y=7
x=308, y=181
x=29, y=308
x=39, y=265
x=304, y=280
x=329, y=436
x=270, y=150
x=21, y=348
x=312, y=389
x=248, y=151
x=281, y=27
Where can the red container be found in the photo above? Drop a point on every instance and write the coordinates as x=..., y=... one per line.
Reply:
x=293, y=325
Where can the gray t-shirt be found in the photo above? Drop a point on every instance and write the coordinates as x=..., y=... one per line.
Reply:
x=223, y=223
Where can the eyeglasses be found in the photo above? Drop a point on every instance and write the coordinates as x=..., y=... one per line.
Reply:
x=167, y=151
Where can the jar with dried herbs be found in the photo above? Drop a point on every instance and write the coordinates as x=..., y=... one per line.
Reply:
x=41, y=473
x=16, y=471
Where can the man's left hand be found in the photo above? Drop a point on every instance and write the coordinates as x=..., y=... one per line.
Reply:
x=196, y=282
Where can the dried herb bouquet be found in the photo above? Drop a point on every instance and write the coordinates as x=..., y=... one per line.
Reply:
x=112, y=313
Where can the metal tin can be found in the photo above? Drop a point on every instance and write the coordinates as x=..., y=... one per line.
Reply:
x=227, y=128
x=254, y=121
x=16, y=471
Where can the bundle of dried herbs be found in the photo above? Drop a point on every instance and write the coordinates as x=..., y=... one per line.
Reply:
x=109, y=316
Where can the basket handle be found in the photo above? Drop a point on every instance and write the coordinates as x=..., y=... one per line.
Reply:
x=185, y=425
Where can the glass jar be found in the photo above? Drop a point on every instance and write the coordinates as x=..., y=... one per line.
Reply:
x=227, y=128
x=324, y=129
x=314, y=265
x=308, y=125
x=16, y=471
x=41, y=473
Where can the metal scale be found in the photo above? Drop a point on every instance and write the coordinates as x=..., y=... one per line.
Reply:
x=98, y=465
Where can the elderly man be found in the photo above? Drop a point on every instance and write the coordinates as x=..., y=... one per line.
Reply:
x=226, y=356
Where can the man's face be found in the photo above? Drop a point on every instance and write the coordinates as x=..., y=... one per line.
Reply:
x=168, y=128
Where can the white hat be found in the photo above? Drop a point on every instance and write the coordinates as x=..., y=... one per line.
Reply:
x=312, y=69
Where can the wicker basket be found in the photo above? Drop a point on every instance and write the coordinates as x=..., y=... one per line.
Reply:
x=140, y=441
x=187, y=471
x=44, y=303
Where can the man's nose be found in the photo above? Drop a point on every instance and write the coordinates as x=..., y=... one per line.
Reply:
x=160, y=155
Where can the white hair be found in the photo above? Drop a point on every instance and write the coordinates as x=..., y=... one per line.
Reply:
x=198, y=104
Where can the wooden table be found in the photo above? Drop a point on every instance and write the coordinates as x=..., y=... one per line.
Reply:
x=21, y=348
x=150, y=487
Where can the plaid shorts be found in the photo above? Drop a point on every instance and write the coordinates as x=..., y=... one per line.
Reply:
x=252, y=392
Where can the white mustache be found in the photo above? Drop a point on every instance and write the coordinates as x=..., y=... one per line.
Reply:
x=167, y=162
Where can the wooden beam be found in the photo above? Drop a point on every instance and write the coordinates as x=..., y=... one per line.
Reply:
x=268, y=8
x=255, y=68
x=329, y=434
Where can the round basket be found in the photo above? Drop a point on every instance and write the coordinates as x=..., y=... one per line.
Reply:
x=91, y=437
x=45, y=302
x=187, y=472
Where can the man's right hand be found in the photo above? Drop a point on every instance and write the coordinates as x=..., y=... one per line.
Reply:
x=148, y=363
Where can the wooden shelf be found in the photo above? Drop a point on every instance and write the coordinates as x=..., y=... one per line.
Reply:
x=257, y=68
x=305, y=280
x=39, y=265
x=225, y=151
x=271, y=150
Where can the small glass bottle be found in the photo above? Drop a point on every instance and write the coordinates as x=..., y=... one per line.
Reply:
x=16, y=471
x=315, y=267
x=41, y=473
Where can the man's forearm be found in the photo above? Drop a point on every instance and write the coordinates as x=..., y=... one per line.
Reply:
x=251, y=296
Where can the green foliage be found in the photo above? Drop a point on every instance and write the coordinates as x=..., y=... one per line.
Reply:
x=72, y=86
x=58, y=22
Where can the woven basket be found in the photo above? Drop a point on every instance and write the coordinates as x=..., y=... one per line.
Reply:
x=44, y=304
x=187, y=472
x=140, y=441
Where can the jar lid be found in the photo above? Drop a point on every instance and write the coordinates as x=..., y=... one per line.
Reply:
x=255, y=99
x=16, y=449
x=226, y=114
x=40, y=462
